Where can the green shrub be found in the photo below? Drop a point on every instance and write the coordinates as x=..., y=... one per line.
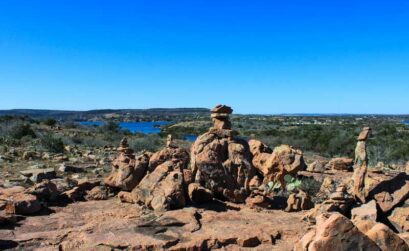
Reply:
x=52, y=144
x=50, y=122
x=310, y=186
x=21, y=130
x=110, y=127
x=148, y=142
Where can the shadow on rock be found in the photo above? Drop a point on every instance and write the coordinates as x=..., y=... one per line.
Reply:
x=217, y=206
x=7, y=244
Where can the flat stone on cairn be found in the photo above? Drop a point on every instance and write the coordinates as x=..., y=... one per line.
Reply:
x=363, y=136
x=339, y=201
x=220, y=117
x=124, y=148
x=169, y=141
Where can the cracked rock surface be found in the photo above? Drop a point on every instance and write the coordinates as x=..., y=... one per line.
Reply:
x=110, y=224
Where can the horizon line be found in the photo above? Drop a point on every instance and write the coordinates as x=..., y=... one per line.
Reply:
x=204, y=108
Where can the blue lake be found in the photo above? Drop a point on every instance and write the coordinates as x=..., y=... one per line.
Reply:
x=191, y=138
x=406, y=122
x=141, y=127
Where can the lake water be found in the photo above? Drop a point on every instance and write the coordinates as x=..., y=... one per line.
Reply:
x=191, y=138
x=141, y=127
x=406, y=122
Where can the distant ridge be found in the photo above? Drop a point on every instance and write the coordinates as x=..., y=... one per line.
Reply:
x=71, y=114
x=66, y=114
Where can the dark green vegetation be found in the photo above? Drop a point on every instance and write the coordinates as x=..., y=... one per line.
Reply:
x=327, y=136
x=38, y=135
x=154, y=114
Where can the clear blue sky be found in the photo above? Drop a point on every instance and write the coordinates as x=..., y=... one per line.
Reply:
x=258, y=56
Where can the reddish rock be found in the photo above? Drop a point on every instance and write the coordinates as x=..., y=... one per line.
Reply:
x=407, y=167
x=110, y=224
x=299, y=201
x=400, y=218
x=222, y=109
x=341, y=164
x=405, y=237
x=19, y=202
x=127, y=171
x=220, y=117
x=383, y=236
x=221, y=163
x=317, y=166
x=37, y=175
x=259, y=201
x=166, y=154
x=188, y=176
x=198, y=194
x=274, y=165
x=340, y=201
x=335, y=233
x=361, y=165
x=45, y=190
x=255, y=183
x=366, y=211
x=80, y=190
x=364, y=134
x=390, y=193
x=97, y=193
x=159, y=190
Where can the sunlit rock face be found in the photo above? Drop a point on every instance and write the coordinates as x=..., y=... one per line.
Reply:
x=127, y=170
x=220, y=161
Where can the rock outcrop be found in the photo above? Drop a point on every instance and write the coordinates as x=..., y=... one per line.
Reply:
x=97, y=193
x=317, y=166
x=170, y=152
x=275, y=164
x=340, y=164
x=80, y=190
x=220, y=117
x=400, y=218
x=361, y=165
x=45, y=190
x=299, y=201
x=390, y=193
x=366, y=211
x=127, y=170
x=17, y=201
x=336, y=233
x=198, y=194
x=339, y=201
x=37, y=175
x=220, y=161
x=383, y=236
x=161, y=189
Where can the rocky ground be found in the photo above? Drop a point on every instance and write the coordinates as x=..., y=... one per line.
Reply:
x=224, y=193
x=110, y=224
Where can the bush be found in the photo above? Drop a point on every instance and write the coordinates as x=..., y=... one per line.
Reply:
x=310, y=186
x=52, y=144
x=21, y=130
x=50, y=122
x=148, y=142
x=110, y=127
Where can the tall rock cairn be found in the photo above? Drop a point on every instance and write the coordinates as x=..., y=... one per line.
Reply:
x=124, y=150
x=220, y=117
x=361, y=165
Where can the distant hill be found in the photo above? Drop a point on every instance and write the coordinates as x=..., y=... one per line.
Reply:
x=105, y=113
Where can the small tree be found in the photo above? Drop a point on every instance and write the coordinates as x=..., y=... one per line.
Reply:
x=50, y=122
x=52, y=144
x=111, y=127
x=21, y=130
